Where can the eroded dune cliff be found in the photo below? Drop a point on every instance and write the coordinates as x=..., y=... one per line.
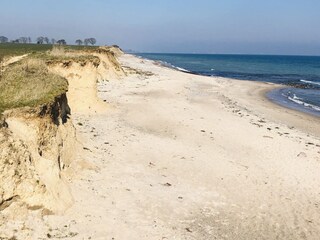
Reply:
x=39, y=143
x=36, y=145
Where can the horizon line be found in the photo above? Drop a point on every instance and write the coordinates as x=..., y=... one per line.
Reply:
x=246, y=54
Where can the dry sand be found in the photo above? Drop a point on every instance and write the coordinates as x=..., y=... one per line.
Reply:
x=180, y=156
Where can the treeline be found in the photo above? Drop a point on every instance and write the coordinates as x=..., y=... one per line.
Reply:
x=46, y=40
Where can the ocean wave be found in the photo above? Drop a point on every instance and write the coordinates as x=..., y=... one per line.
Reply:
x=301, y=102
x=182, y=69
x=311, y=82
x=297, y=98
x=164, y=63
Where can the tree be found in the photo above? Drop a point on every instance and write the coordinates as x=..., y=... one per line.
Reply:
x=46, y=40
x=53, y=41
x=3, y=39
x=29, y=40
x=23, y=40
x=79, y=42
x=91, y=41
x=40, y=40
x=62, y=42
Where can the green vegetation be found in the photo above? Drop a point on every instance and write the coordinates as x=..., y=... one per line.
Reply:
x=11, y=49
x=14, y=49
x=29, y=83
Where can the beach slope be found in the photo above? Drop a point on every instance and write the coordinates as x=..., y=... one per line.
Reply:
x=181, y=156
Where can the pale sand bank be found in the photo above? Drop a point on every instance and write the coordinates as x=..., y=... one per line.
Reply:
x=180, y=156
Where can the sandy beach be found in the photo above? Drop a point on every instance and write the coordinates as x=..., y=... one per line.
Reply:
x=170, y=155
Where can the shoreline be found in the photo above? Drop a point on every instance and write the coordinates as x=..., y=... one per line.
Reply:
x=283, y=112
x=291, y=105
x=276, y=112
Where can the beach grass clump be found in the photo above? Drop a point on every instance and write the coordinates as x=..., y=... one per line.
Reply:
x=66, y=56
x=29, y=83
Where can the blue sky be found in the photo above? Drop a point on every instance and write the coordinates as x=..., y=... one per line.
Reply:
x=192, y=26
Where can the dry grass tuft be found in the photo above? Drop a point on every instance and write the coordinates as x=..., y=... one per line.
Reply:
x=63, y=52
x=58, y=51
x=1, y=66
x=66, y=56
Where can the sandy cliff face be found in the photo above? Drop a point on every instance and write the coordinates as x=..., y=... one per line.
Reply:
x=110, y=68
x=83, y=77
x=36, y=145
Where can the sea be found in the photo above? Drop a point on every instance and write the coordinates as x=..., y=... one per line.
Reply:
x=299, y=75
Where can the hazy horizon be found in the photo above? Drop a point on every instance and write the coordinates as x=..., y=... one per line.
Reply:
x=229, y=27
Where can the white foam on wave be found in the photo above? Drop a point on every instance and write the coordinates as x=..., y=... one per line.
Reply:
x=166, y=64
x=311, y=82
x=300, y=102
x=182, y=69
x=296, y=98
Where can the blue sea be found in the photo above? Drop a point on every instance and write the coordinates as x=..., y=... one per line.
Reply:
x=299, y=75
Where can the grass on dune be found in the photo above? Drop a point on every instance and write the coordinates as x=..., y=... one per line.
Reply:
x=14, y=49
x=62, y=54
x=29, y=83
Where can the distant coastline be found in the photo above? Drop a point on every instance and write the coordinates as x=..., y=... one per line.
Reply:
x=130, y=51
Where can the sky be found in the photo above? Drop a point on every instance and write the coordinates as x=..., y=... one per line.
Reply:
x=175, y=26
